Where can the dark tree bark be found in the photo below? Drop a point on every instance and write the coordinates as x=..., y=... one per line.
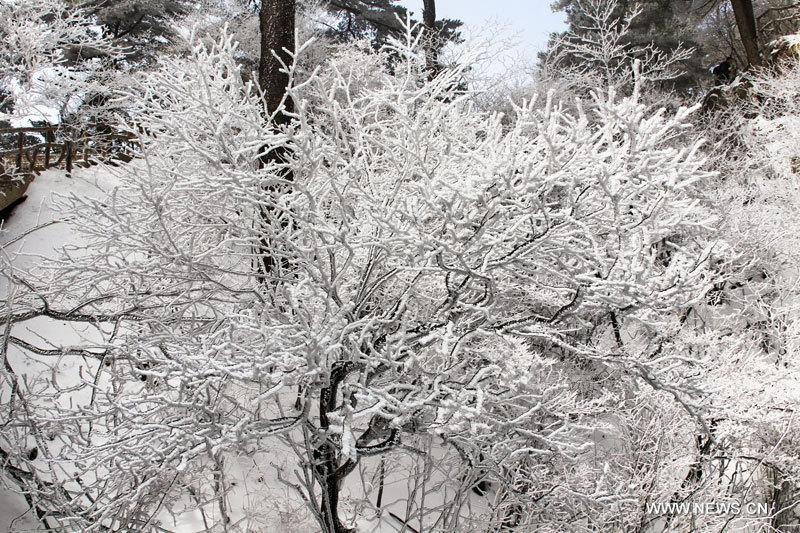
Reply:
x=784, y=501
x=276, y=21
x=329, y=471
x=432, y=37
x=746, y=22
x=429, y=14
x=329, y=467
x=331, y=482
x=277, y=25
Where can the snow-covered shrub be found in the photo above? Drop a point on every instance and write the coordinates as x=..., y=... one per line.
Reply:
x=50, y=53
x=409, y=270
x=748, y=334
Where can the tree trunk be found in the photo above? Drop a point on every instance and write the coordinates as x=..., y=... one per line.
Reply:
x=432, y=37
x=326, y=457
x=783, y=500
x=330, y=481
x=746, y=21
x=276, y=21
x=277, y=25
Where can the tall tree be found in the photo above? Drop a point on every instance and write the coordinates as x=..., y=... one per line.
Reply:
x=603, y=45
x=142, y=26
x=432, y=45
x=277, y=24
x=378, y=20
x=356, y=19
x=660, y=25
x=746, y=22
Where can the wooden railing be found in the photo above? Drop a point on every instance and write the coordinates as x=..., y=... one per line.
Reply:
x=59, y=149
x=29, y=151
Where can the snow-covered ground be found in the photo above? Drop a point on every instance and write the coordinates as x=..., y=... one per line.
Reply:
x=40, y=210
x=14, y=513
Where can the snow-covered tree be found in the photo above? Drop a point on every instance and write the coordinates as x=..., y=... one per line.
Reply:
x=50, y=52
x=441, y=277
x=600, y=47
x=743, y=336
x=141, y=27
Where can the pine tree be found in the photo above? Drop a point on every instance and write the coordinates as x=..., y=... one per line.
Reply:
x=277, y=23
x=746, y=22
x=378, y=20
x=432, y=47
x=666, y=24
x=142, y=25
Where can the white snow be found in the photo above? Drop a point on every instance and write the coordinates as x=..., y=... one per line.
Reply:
x=39, y=209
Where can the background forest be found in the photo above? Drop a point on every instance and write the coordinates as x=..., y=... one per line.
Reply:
x=333, y=274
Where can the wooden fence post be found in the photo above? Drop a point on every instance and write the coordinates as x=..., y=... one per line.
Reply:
x=20, y=148
x=49, y=138
x=85, y=140
x=68, y=148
